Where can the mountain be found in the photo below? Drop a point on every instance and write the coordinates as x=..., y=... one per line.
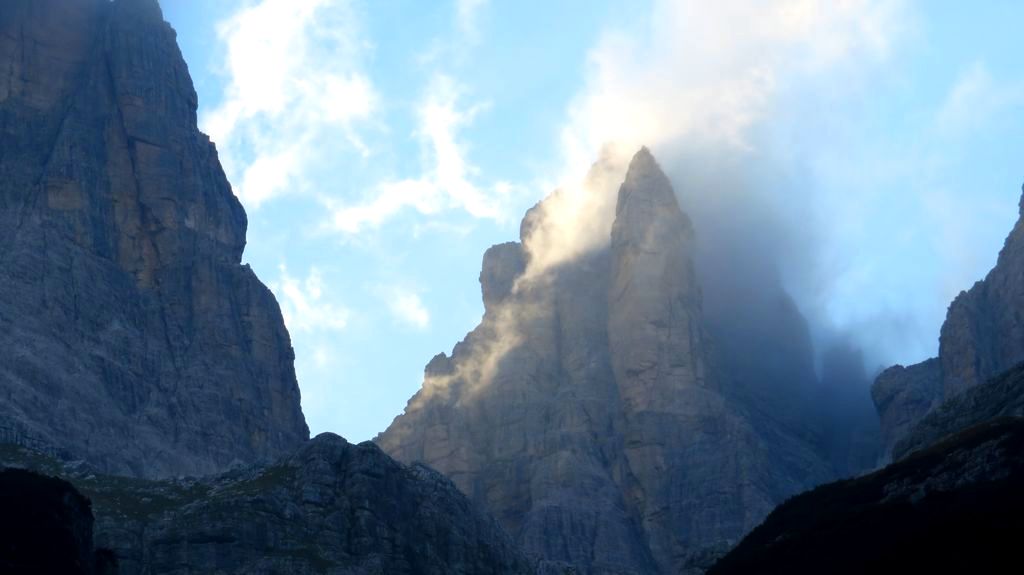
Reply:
x=956, y=507
x=982, y=337
x=590, y=411
x=136, y=352
x=130, y=333
x=330, y=507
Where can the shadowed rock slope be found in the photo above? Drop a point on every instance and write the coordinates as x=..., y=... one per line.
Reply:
x=1003, y=397
x=588, y=412
x=956, y=507
x=983, y=336
x=130, y=334
x=330, y=508
x=46, y=527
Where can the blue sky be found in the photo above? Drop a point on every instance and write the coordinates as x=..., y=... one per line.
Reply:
x=381, y=146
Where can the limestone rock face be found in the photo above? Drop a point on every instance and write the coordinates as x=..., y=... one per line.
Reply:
x=130, y=334
x=330, y=508
x=984, y=332
x=982, y=337
x=503, y=264
x=654, y=301
x=586, y=411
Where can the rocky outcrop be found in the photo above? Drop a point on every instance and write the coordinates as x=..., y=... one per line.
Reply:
x=982, y=337
x=903, y=395
x=954, y=508
x=130, y=334
x=47, y=527
x=1001, y=398
x=503, y=264
x=588, y=412
x=330, y=508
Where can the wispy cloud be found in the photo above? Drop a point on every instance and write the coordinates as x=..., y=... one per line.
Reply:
x=701, y=75
x=449, y=181
x=466, y=14
x=295, y=91
x=975, y=98
x=305, y=305
x=407, y=307
x=709, y=71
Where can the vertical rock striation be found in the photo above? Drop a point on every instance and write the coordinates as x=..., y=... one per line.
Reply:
x=130, y=334
x=982, y=337
x=587, y=411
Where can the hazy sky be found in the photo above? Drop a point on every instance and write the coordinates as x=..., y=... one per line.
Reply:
x=380, y=147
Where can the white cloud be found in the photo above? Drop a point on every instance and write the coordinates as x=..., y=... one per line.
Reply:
x=407, y=307
x=466, y=15
x=322, y=356
x=703, y=74
x=448, y=183
x=974, y=100
x=295, y=91
x=708, y=71
x=304, y=305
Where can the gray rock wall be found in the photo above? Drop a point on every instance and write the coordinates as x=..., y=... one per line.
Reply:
x=130, y=334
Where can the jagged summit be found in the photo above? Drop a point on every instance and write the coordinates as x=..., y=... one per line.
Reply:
x=584, y=411
x=130, y=334
x=646, y=198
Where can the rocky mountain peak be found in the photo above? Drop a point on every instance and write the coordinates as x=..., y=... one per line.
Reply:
x=655, y=320
x=502, y=265
x=647, y=212
x=130, y=333
x=583, y=412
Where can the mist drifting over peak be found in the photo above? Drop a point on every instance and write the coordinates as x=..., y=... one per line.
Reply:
x=703, y=90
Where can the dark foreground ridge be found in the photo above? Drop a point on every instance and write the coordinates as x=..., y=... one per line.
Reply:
x=46, y=527
x=332, y=507
x=956, y=507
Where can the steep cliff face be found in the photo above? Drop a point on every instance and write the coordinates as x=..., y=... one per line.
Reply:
x=329, y=508
x=586, y=412
x=983, y=336
x=130, y=334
